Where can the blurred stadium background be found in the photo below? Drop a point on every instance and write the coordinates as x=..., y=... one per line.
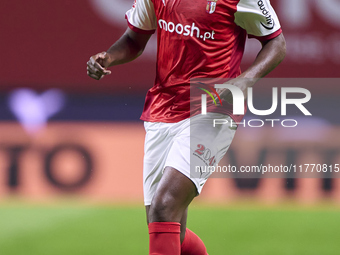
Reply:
x=71, y=148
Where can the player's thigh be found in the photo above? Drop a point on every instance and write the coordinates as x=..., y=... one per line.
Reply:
x=174, y=193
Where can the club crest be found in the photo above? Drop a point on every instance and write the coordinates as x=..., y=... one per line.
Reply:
x=211, y=6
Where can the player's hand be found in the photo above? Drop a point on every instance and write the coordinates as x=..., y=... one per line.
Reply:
x=241, y=83
x=96, y=66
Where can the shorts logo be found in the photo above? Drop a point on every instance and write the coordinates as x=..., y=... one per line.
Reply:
x=211, y=6
x=205, y=155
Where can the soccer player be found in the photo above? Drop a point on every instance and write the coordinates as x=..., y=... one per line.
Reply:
x=195, y=39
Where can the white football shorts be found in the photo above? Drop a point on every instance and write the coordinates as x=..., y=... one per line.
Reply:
x=186, y=146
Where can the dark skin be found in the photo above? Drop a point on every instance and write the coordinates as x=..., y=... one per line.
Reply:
x=128, y=47
x=175, y=191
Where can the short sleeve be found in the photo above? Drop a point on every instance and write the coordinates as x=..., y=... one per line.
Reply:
x=258, y=18
x=141, y=17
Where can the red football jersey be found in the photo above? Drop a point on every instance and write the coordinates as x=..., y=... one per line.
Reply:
x=197, y=39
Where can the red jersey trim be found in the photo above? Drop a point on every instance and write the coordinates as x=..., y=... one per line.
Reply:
x=138, y=30
x=267, y=37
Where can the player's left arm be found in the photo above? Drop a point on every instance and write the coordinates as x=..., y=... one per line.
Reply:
x=260, y=22
x=270, y=56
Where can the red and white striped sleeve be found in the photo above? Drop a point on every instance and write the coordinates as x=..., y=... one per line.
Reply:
x=141, y=17
x=258, y=18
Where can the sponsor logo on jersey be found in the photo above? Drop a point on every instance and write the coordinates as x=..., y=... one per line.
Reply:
x=185, y=30
x=211, y=6
x=270, y=23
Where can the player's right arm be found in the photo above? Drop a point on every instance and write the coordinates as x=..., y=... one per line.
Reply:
x=128, y=47
x=142, y=24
